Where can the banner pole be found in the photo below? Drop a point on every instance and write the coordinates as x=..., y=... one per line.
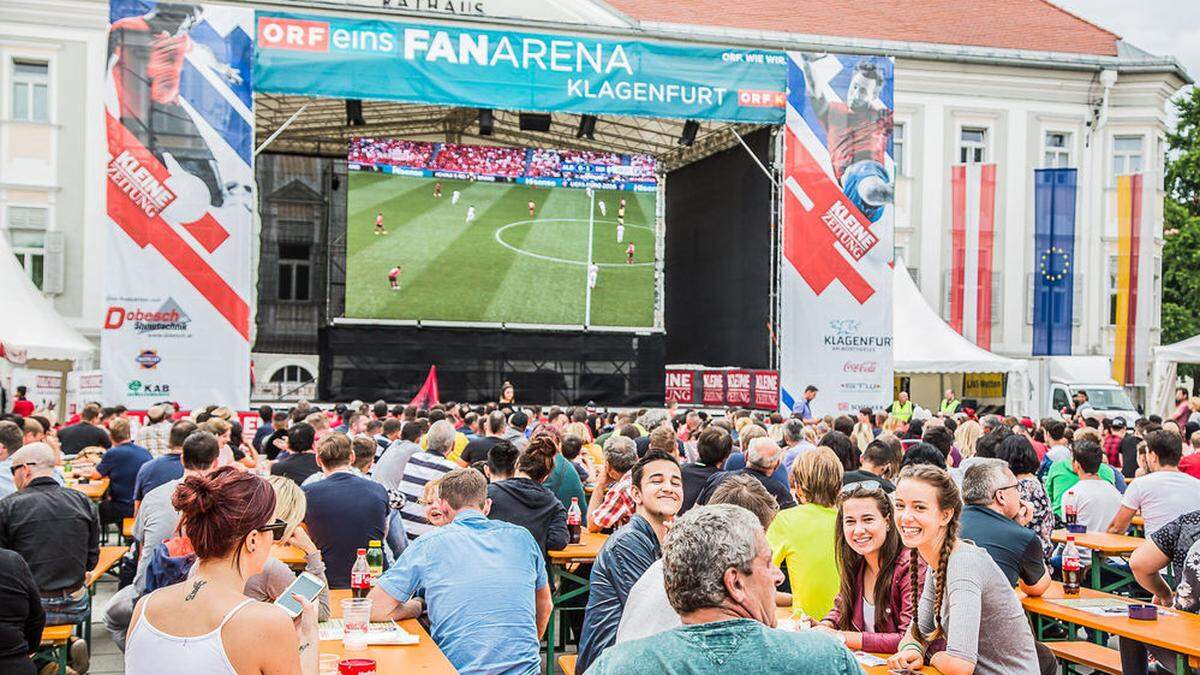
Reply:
x=770, y=176
x=587, y=272
x=281, y=128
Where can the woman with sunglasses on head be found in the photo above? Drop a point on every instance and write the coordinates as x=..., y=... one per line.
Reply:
x=875, y=601
x=964, y=593
x=207, y=624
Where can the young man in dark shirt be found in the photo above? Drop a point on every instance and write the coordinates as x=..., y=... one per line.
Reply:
x=713, y=445
x=301, y=461
x=86, y=433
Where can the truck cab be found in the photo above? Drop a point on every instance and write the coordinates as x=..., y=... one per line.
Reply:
x=1062, y=376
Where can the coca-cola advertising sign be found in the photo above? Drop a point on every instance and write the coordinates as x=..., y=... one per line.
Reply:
x=712, y=391
x=766, y=389
x=737, y=387
x=680, y=387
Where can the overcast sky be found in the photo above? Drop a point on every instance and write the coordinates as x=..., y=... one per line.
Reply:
x=1163, y=27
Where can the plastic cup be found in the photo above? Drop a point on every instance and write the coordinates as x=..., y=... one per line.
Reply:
x=356, y=619
x=329, y=664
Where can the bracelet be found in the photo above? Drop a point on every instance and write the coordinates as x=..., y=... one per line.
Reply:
x=915, y=645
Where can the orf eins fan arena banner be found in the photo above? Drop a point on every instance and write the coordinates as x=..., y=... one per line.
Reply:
x=180, y=204
x=342, y=57
x=836, y=277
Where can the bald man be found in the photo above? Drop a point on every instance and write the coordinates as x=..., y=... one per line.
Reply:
x=55, y=529
x=763, y=457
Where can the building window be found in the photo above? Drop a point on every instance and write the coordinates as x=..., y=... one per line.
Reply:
x=294, y=272
x=1114, y=267
x=30, y=87
x=27, y=236
x=898, y=149
x=972, y=145
x=1127, y=155
x=1056, y=152
x=292, y=376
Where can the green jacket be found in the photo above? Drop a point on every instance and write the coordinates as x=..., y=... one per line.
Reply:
x=1061, y=477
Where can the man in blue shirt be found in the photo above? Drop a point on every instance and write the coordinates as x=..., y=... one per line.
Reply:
x=345, y=512
x=167, y=466
x=629, y=552
x=483, y=581
x=120, y=465
x=802, y=408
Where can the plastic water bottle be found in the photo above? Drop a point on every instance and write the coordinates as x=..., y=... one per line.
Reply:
x=574, y=520
x=375, y=560
x=1070, y=510
x=1072, y=567
x=360, y=576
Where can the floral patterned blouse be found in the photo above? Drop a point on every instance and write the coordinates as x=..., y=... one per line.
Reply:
x=1043, y=520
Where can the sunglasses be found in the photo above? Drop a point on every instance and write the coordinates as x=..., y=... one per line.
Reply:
x=276, y=528
x=13, y=469
x=861, y=485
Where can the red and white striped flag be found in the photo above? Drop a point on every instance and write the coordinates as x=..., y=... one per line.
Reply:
x=973, y=208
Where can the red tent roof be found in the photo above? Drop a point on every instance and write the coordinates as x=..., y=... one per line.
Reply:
x=1009, y=24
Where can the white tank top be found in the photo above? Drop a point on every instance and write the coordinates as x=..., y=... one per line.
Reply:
x=153, y=652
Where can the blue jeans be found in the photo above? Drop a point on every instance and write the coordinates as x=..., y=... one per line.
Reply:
x=68, y=609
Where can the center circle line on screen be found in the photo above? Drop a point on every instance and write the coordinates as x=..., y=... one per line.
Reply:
x=581, y=263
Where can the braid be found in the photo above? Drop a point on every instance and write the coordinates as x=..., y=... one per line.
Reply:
x=939, y=589
x=915, y=589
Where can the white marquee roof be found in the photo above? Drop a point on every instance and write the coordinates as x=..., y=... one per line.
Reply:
x=30, y=322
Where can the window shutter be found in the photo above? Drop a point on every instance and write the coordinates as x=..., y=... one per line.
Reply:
x=1029, y=298
x=997, y=300
x=53, y=263
x=946, y=281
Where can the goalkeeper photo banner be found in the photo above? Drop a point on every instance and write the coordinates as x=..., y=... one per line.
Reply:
x=180, y=200
x=342, y=57
x=835, y=272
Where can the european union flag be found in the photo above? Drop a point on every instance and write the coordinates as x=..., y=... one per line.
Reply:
x=1054, y=260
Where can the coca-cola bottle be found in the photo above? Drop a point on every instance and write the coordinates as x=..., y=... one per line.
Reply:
x=360, y=576
x=574, y=520
x=1070, y=510
x=1072, y=567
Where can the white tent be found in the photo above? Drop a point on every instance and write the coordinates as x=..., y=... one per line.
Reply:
x=1164, y=360
x=924, y=343
x=30, y=326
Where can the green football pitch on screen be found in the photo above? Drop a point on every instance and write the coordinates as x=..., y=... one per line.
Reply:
x=481, y=256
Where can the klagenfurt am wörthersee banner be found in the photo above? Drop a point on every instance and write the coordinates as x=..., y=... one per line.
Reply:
x=342, y=57
x=836, y=276
x=179, y=182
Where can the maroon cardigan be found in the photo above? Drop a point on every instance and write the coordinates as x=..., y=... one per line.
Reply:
x=892, y=619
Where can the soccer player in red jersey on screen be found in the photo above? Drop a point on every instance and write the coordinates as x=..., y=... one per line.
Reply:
x=394, y=278
x=629, y=253
x=379, y=223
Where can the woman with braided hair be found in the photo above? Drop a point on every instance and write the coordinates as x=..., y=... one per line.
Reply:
x=964, y=590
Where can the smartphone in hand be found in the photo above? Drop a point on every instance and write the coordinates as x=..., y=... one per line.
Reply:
x=307, y=586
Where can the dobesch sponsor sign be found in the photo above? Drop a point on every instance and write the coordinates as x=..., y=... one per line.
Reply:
x=712, y=388
x=766, y=389
x=737, y=387
x=680, y=387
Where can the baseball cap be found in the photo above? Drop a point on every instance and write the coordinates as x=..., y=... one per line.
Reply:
x=1118, y=423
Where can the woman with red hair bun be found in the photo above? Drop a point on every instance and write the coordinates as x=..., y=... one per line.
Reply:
x=207, y=624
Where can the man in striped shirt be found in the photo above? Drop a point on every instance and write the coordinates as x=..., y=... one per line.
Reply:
x=422, y=467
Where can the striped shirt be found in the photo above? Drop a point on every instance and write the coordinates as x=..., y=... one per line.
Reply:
x=421, y=468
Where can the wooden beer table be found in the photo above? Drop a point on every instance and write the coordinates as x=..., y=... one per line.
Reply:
x=289, y=555
x=93, y=489
x=423, y=657
x=1177, y=632
x=1104, y=545
x=783, y=613
x=583, y=553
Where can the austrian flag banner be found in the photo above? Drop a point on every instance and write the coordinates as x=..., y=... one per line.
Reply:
x=836, y=277
x=179, y=184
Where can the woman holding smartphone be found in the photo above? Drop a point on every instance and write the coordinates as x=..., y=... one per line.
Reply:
x=965, y=592
x=207, y=624
x=875, y=600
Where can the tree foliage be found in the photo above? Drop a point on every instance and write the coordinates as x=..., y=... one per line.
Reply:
x=1181, y=227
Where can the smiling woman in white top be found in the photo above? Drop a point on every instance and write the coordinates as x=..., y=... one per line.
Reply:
x=207, y=624
x=1163, y=494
